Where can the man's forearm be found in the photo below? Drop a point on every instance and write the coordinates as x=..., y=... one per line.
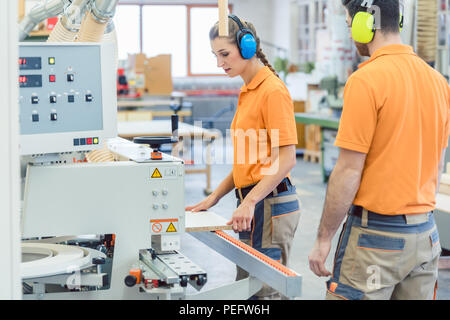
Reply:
x=342, y=188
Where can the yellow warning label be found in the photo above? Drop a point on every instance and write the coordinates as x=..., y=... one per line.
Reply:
x=156, y=174
x=171, y=228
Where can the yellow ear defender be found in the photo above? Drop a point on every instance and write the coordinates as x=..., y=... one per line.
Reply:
x=363, y=23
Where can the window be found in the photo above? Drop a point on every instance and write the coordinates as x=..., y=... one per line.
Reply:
x=126, y=21
x=180, y=30
x=164, y=32
x=202, y=61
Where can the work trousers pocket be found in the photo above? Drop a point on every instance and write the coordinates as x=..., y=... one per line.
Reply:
x=374, y=260
x=282, y=214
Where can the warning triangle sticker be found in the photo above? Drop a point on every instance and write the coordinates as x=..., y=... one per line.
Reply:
x=171, y=228
x=156, y=174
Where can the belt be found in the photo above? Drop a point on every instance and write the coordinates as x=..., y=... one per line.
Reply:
x=357, y=211
x=282, y=187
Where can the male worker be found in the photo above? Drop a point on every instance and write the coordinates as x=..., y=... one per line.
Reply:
x=393, y=134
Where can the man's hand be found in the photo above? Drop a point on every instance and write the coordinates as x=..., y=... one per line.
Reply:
x=318, y=256
x=242, y=217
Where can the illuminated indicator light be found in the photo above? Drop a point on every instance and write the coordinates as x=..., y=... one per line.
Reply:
x=52, y=78
x=89, y=141
x=95, y=140
x=51, y=60
x=23, y=79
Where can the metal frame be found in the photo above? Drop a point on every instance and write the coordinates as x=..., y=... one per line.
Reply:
x=287, y=285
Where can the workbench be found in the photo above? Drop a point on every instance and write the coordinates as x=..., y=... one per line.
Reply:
x=328, y=127
x=147, y=107
x=131, y=129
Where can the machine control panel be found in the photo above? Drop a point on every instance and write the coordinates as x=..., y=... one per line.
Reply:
x=63, y=92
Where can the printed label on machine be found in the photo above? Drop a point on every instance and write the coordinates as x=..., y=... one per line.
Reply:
x=164, y=226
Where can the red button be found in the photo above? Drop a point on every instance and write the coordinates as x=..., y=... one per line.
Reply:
x=89, y=141
x=52, y=78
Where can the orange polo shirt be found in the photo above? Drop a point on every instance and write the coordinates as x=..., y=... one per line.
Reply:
x=397, y=111
x=264, y=120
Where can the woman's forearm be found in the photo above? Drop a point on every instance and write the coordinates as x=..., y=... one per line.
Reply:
x=224, y=187
x=286, y=161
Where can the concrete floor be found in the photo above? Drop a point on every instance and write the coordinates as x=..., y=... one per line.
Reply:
x=308, y=180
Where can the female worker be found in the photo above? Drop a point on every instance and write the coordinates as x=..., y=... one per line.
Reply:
x=264, y=137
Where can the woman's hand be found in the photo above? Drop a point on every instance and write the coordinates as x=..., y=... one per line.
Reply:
x=207, y=203
x=242, y=217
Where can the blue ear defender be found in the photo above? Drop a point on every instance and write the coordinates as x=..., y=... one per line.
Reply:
x=245, y=39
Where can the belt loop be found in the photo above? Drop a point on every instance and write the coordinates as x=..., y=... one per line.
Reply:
x=275, y=191
x=364, y=218
x=240, y=194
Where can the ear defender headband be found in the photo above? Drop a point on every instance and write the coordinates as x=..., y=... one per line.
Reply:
x=363, y=23
x=245, y=39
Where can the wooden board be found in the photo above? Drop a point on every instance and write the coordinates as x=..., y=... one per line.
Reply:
x=205, y=221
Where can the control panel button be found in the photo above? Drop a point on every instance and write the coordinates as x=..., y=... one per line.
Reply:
x=82, y=141
x=52, y=78
x=53, y=116
x=155, y=193
x=88, y=140
x=165, y=206
x=164, y=192
x=51, y=60
x=89, y=97
x=35, y=117
x=34, y=99
x=76, y=142
x=71, y=98
x=52, y=99
x=155, y=206
x=70, y=78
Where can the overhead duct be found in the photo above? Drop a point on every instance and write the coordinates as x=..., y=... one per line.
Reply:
x=40, y=12
x=95, y=22
x=68, y=24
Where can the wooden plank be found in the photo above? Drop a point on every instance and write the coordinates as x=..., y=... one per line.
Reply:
x=223, y=18
x=444, y=189
x=205, y=221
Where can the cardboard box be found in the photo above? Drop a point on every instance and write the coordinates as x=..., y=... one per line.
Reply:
x=158, y=75
x=299, y=107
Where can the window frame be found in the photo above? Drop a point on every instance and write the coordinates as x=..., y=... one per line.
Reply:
x=188, y=6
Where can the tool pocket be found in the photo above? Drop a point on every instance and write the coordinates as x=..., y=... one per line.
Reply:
x=285, y=215
x=435, y=243
x=377, y=260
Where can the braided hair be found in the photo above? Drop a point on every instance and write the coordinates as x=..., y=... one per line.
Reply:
x=233, y=28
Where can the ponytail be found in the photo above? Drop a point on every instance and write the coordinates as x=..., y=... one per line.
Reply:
x=262, y=57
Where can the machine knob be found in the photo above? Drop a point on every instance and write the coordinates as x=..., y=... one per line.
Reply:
x=201, y=280
x=155, y=193
x=165, y=206
x=155, y=206
x=130, y=280
x=184, y=281
x=164, y=192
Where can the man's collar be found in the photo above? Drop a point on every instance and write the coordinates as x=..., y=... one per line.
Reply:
x=392, y=49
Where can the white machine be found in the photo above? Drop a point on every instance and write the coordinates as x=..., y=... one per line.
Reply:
x=108, y=230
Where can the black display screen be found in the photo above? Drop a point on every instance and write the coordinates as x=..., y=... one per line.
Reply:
x=30, y=81
x=30, y=63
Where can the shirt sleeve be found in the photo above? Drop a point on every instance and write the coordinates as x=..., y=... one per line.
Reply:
x=279, y=119
x=359, y=117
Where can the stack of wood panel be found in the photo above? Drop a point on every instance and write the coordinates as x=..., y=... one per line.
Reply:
x=427, y=26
